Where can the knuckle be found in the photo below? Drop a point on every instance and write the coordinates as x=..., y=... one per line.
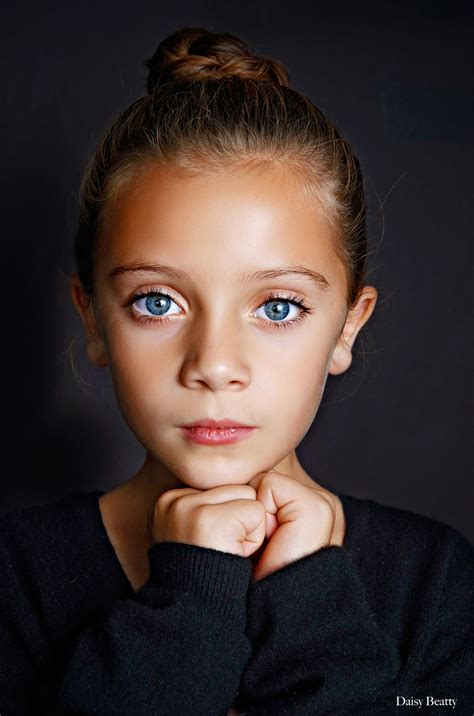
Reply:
x=326, y=504
x=201, y=512
x=268, y=478
x=205, y=517
x=260, y=507
x=251, y=491
x=177, y=507
x=165, y=498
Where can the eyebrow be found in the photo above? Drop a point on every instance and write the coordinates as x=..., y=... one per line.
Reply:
x=262, y=275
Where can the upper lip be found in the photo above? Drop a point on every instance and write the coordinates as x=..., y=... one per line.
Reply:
x=209, y=423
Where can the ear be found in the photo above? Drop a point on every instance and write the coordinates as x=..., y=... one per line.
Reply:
x=356, y=318
x=96, y=347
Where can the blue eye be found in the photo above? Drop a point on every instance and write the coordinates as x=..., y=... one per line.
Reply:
x=277, y=309
x=153, y=306
x=156, y=303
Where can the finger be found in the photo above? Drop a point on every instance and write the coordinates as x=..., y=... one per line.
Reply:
x=325, y=506
x=167, y=498
x=223, y=493
x=277, y=490
x=256, y=479
x=227, y=493
x=250, y=513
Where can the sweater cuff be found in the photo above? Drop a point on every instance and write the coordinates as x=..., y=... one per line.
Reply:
x=315, y=612
x=328, y=569
x=217, y=579
x=330, y=599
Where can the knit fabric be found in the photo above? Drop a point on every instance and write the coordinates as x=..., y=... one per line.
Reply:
x=380, y=625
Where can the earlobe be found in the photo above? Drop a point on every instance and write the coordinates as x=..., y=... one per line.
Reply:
x=96, y=348
x=341, y=357
x=97, y=352
x=359, y=315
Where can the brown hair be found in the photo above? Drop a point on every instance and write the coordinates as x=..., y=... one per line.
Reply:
x=211, y=103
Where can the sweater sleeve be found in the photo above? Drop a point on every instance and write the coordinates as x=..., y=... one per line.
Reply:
x=177, y=647
x=439, y=672
x=331, y=656
x=315, y=630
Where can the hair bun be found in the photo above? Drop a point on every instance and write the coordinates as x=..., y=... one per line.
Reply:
x=193, y=53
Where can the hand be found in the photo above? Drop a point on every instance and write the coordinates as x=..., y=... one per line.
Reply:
x=299, y=521
x=228, y=518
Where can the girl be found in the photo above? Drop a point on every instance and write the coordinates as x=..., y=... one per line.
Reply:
x=221, y=276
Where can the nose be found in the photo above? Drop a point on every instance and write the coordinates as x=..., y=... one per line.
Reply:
x=215, y=357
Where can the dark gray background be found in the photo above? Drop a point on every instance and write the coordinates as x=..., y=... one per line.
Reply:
x=398, y=82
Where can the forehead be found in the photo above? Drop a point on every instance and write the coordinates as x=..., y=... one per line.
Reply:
x=227, y=221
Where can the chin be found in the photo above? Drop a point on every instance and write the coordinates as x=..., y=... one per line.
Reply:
x=206, y=473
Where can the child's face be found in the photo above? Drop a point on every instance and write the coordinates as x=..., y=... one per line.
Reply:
x=221, y=354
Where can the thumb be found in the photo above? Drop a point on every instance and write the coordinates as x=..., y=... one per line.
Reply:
x=272, y=524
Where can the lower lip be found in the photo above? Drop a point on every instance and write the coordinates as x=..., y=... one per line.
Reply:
x=216, y=436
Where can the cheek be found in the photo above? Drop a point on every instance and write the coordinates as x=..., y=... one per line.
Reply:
x=292, y=390
x=141, y=374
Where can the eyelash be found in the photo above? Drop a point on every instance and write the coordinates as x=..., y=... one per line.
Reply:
x=295, y=300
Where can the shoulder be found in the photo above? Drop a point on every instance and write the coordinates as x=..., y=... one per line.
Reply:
x=44, y=528
x=44, y=547
x=28, y=563
x=397, y=540
x=380, y=521
x=55, y=566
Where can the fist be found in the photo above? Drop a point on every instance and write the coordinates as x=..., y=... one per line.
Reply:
x=228, y=518
x=299, y=521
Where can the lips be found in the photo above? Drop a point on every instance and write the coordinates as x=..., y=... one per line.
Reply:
x=216, y=432
x=216, y=424
x=207, y=431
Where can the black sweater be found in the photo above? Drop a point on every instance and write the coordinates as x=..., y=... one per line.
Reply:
x=344, y=630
